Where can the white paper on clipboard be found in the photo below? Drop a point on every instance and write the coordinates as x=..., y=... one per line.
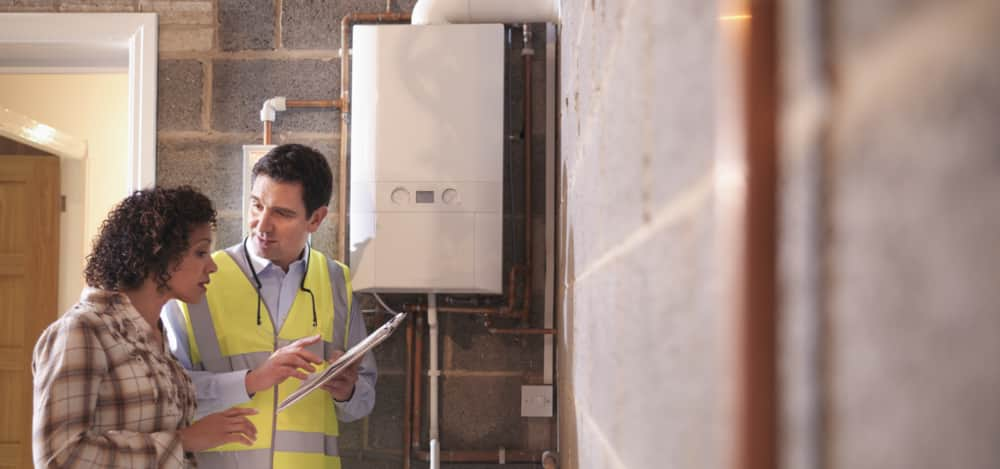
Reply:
x=315, y=380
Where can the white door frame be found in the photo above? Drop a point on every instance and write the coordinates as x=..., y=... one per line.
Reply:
x=130, y=34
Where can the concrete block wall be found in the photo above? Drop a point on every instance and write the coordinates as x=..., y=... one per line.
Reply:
x=888, y=188
x=218, y=61
x=642, y=366
x=891, y=190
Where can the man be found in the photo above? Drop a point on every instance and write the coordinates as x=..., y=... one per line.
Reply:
x=276, y=309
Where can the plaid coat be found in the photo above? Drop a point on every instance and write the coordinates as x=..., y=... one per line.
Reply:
x=104, y=395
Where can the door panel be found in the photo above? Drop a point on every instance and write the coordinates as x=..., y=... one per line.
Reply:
x=29, y=265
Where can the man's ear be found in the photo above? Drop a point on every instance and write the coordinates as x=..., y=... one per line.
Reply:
x=317, y=218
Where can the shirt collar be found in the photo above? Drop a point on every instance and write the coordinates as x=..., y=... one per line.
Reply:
x=114, y=300
x=261, y=264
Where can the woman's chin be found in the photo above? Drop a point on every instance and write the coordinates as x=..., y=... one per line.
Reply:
x=193, y=297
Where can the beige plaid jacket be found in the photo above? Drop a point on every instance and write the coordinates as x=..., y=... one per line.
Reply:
x=105, y=396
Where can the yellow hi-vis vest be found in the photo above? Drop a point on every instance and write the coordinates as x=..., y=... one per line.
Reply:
x=224, y=336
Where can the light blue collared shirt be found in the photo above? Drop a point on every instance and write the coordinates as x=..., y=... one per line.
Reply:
x=219, y=391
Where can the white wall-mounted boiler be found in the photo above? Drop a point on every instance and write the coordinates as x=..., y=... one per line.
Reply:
x=426, y=211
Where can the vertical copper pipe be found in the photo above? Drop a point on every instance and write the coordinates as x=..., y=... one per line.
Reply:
x=759, y=319
x=267, y=132
x=345, y=116
x=345, y=111
x=418, y=366
x=408, y=394
x=755, y=316
x=528, y=218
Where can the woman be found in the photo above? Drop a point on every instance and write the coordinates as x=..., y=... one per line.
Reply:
x=107, y=391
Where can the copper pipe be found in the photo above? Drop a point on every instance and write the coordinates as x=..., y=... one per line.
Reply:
x=407, y=395
x=507, y=311
x=485, y=310
x=315, y=103
x=418, y=366
x=757, y=317
x=484, y=456
x=488, y=322
x=748, y=215
x=345, y=111
x=522, y=331
x=526, y=54
x=320, y=103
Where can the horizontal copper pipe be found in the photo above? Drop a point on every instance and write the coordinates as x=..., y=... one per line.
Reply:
x=500, y=311
x=522, y=331
x=320, y=103
x=506, y=311
x=484, y=456
x=488, y=322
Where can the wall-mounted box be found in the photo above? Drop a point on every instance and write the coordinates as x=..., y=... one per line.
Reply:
x=536, y=401
x=427, y=158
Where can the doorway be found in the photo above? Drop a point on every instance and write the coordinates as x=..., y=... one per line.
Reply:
x=29, y=263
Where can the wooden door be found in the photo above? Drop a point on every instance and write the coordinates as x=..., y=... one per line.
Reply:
x=29, y=267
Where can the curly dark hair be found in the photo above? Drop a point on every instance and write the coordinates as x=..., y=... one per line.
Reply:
x=145, y=234
x=293, y=162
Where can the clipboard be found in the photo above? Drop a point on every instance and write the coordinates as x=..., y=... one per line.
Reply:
x=315, y=380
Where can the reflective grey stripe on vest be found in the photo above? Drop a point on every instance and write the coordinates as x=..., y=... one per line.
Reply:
x=255, y=458
x=304, y=442
x=217, y=363
x=205, y=337
x=341, y=313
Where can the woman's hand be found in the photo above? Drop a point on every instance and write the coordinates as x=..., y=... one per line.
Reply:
x=228, y=426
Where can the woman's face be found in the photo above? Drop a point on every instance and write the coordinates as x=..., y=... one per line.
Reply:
x=189, y=276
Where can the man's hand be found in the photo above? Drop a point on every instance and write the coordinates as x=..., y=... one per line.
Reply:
x=228, y=426
x=288, y=361
x=341, y=387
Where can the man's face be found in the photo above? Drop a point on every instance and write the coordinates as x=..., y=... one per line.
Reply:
x=279, y=226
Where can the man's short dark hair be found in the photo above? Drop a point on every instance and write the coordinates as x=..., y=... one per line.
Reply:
x=298, y=163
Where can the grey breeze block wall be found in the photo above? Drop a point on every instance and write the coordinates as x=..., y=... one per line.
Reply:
x=642, y=368
x=896, y=144
x=218, y=61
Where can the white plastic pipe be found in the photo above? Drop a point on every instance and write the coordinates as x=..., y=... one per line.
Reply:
x=485, y=11
x=435, y=459
x=268, y=110
x=551, y=35
x=433, y=373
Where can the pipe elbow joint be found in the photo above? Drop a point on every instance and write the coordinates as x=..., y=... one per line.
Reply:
x=270, y=108
x=424, y=12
